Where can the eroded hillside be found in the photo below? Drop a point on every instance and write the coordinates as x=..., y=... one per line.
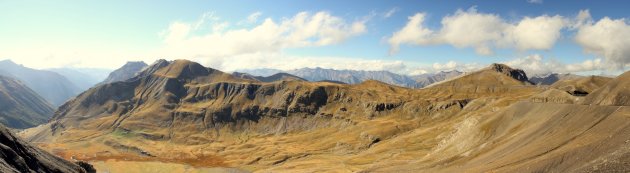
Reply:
x=490, y=120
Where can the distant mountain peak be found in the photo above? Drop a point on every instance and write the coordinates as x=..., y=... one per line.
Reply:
x=135, y=63
x=52, y=86
x=7, y=61
x=183, y=69
x=127, y=71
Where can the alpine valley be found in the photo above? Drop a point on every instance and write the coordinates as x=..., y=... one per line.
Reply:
x=179, y=116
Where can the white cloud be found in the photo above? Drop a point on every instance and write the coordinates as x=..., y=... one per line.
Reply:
x=538, y=33
x=302, y=30
x=253, y=18
x=176, y=32
x=481, y=31
x=413, y=33
x=471, y=29
x=535, y=1
x=390, y=12
x=607, y=38
x=449, y=65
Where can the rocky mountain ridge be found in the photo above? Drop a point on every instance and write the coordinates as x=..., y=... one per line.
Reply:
x=358, y=76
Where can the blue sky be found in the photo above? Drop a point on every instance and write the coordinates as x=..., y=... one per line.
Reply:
x=352, y=35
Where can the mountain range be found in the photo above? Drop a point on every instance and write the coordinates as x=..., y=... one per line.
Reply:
x=83, y=78
x=53, y=87
x=550, y=78
x=491, y=120
x=358, y=76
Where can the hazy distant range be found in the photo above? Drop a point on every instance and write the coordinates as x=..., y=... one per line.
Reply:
x=358, y=76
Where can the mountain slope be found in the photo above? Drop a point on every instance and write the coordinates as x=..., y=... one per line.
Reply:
x=18, y=156
x=582, y=85
x=614, y=93
x=53, y=87
x=485, y=121
x=21, y=107
x=125, y=72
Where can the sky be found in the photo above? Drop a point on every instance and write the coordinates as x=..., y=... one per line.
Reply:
x=406, y=37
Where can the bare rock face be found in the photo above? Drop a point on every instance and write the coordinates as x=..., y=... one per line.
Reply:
x=19, y=157
x=517, y=74
x=21, y=107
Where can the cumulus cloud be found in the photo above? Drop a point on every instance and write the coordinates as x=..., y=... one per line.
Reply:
x=302, y=30
x=482, y=31
x=413, y=33
x=607, y=38
x=538, y=33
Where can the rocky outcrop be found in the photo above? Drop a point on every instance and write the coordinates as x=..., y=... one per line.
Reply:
x=18, y=156
x=517, y=74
